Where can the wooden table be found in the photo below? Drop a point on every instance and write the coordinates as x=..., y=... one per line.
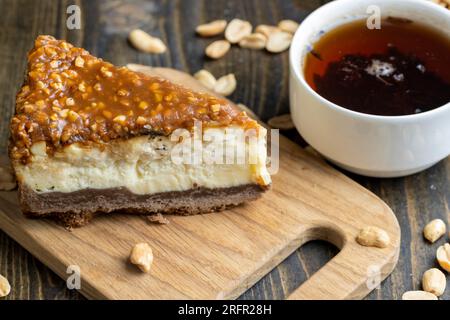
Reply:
x=262, y=84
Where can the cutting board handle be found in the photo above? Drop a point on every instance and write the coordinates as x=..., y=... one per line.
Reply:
x=343, y=277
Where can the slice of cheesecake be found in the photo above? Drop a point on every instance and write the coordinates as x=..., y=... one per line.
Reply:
x=89, y=137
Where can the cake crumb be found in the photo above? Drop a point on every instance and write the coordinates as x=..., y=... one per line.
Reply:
x=158, y=219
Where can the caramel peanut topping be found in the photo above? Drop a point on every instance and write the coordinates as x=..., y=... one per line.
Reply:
x=71, y=96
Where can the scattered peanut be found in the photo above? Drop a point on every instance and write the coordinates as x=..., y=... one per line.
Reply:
x=289, y=26
x=206, y=79
x=434, y=281
x=142, y=41
x=237, y=29
x=278, y=42
x=373, y=237
x=282, y=122
x=212, y=28
x=418, y=295
x=217, y=49
x=226, y=85
x=443, y=256
x=5, y=287
x=256, y=41
x=142, y=256
x=266, y=30
x=434, y=230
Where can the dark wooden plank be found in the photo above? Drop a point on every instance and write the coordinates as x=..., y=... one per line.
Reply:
x=262, y=84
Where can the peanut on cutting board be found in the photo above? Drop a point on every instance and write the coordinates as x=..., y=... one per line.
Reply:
x=443, y=256
x=142, y=41
x=5, y=287
x=142, y=256
x=373, y=237
x=217, y=49
x=212, y=28
x=418, y=295
x=434, y=281
x=434, y=230
x=237, y=29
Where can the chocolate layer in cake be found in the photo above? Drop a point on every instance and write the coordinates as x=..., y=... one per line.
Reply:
x=78, y=205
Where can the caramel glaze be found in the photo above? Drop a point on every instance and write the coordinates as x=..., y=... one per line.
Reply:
x=70, y=96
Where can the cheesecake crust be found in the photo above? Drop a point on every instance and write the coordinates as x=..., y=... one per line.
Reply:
x=70, y=96
x=75, y=209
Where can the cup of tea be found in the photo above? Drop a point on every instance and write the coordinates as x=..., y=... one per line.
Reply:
x=370, y=84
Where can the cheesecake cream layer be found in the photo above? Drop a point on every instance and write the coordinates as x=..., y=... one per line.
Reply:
x=143, y=165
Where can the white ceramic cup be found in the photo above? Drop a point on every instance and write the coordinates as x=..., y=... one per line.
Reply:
x=371, y=145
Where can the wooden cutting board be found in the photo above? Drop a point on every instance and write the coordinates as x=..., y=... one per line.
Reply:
x=219, y=256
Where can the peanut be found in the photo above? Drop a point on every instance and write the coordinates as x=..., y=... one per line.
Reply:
x=212, y=28
x=142, y=41
x=434, y=230
x=443, y=256
x=237, y=29
x=254, y=41
x=142, y=256
x=226, y=85
x=206, y=79
x=5, y=287
x=418, y=295
x=278, y=42
x=289, y=26
x=217, y=49
x=434, y=281
x=373, y=237
x=266, y=30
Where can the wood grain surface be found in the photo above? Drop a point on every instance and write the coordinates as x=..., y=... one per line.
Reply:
x=262, y=84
